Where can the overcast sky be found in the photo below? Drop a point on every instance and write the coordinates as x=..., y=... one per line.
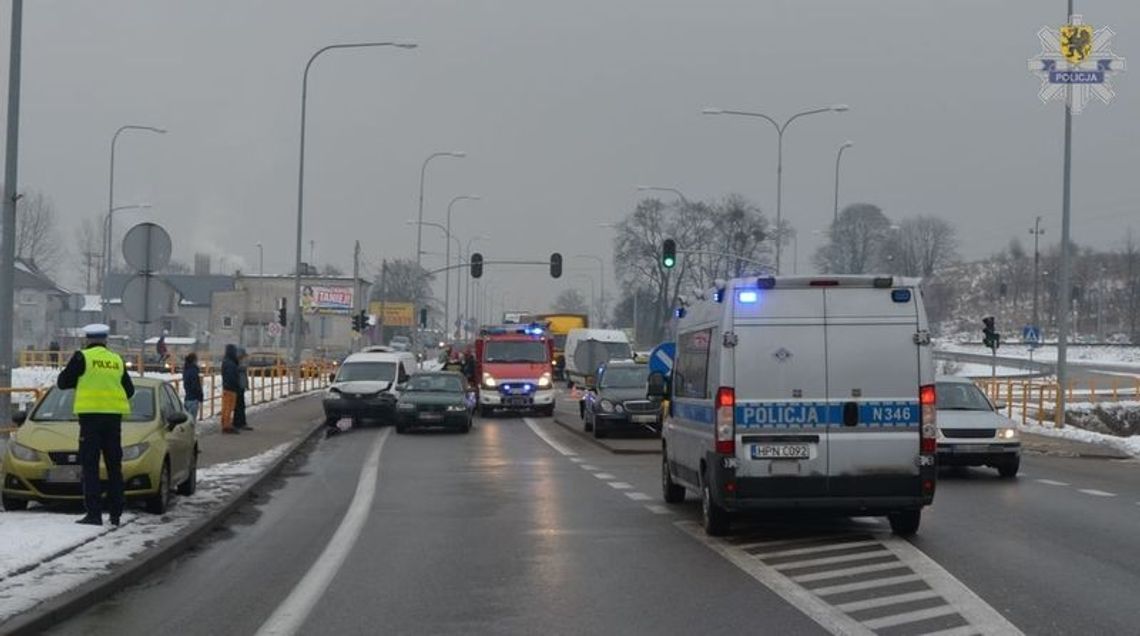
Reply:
x=563, y=108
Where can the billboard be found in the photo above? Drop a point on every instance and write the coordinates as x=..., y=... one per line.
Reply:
x=395, y=314
x=319, y=299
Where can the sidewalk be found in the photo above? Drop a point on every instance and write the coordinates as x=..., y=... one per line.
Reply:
x=273, y=424
x=1033, y=443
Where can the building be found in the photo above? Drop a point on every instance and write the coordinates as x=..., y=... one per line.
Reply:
x=40, y=309
x=186, y=306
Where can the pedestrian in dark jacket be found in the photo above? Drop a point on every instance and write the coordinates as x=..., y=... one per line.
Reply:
x=192, y=384
x=240, y=423
x=231, y=386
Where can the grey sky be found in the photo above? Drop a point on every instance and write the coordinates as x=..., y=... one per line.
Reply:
x=563, y=108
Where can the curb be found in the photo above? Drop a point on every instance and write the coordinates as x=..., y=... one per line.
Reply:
x=71, y=603
x=577, y=430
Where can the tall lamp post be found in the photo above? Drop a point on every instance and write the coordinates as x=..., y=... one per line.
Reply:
x=459, y=154
x=109, y=260
x=298, y=319
x=780, y=129
x=108, y=247
x=447, y=262
x=601, y=284
x=467, y=274
x=838, y=157
x=1036, y=231
x=260, y=260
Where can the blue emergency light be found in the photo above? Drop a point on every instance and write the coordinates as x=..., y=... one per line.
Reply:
x=747, y=296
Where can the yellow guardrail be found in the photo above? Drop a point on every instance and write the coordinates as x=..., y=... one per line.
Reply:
x=36, y=394
x=1036, y=400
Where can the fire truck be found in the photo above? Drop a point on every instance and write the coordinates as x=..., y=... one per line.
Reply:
x=513, y=367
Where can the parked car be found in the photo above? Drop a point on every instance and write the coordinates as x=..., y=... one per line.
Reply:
x=971, y=432
x=436, y=399
x=160, y=450
x=617, y=401
x=400, y=343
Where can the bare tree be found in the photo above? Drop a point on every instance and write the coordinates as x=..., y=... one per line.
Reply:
x=570, y=301
x=921, y=246
x=37, y=233
x=403, y=281
x=857, y=241
x=89, y=256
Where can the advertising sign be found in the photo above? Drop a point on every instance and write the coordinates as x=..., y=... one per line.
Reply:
x=316, y=299
x=395, y=314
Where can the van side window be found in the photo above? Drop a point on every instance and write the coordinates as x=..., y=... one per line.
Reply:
x=403, y=374
x=692, y=367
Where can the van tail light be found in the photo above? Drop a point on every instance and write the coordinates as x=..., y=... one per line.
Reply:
x=926, y=400
x=725, y=421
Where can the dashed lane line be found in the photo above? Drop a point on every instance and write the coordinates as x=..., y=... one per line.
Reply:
x=638, y=496
x=589, y=467
x=1096, y=493
x=604, y=476
x=619, y=485
x=658, y=509
x=1051, y=482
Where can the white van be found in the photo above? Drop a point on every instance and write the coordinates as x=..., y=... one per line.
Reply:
x=798, y=392
x=365, y=385
x=588, y=349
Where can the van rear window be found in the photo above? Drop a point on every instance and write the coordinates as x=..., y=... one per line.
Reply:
x=691, y=369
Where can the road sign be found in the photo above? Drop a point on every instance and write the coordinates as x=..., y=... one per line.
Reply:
x=661, y=358
x=147, y=247
x=145, y=298
x=274, y=329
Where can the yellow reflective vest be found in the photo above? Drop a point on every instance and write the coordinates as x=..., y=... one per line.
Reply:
x=100, y=388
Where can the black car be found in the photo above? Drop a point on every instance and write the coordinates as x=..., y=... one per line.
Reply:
x=439, y=399
x=618, y=401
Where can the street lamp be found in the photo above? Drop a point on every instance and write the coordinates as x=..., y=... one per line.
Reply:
x=1036, y=231
x=467, y=274
x=780, y=129
x=593, y=290
x=459, y=154
x=601, y=283
x=447, y=262
x=107, y=247
x=448, y=238
x=298, y=320
x=260, y=260
x=838, y=156
x=680, y=195
x=111, y=191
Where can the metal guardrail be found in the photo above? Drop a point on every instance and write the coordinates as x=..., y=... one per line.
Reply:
x=1038, y=400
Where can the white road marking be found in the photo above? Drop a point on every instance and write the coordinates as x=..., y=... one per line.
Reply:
x=963, y=630
x=910, y=617
x=862, y=569
x=619, y=485
x=658, y=509
x=884, y=601
x=544, y=436
x=291, y=614
x=866, y=585
x=1097, y=493
x=1050, y=482
x=638, y=496
x=577, y=460
x=807, y=552
x=589, y=467
x=605, y=476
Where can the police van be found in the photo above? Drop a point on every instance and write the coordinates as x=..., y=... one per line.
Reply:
x=798, y=392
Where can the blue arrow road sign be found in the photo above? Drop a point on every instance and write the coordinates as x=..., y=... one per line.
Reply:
x=661, y=358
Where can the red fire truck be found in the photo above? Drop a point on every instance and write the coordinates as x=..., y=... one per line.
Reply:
x=513, y=369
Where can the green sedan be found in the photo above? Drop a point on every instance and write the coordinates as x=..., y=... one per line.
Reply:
x=438, y=399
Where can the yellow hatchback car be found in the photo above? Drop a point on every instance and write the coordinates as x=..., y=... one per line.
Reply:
x=160, y=449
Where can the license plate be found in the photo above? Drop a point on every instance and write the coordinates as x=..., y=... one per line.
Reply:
x=519, y=401
x=64, y=475
x=644, y=419
x=431, y=416
x=518, y=390
x=781, y=451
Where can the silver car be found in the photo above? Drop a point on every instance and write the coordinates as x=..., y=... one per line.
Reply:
x=970, y=432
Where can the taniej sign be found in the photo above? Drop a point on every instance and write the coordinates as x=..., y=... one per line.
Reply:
x=395, y=314
x=317, y=299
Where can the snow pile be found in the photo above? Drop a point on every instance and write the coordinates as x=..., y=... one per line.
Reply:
x=1129, y=445
x=1125, y=356
x=45, y=553
x=971, y=370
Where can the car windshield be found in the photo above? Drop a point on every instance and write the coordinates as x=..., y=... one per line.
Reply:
x=435, y=384
x=625, y=378
x=57, y=406
x=515, y=351
x=618, y=350
x=960, y=396
x=367, y=371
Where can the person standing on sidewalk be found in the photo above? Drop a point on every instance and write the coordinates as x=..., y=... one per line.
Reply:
x=103, y=392
x=240, y=423
x=192, y=384
x=231, y=385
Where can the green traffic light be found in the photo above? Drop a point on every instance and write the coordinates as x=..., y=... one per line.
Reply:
x=669, y=262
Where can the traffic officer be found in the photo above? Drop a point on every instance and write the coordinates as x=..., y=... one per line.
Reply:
x=102, y=397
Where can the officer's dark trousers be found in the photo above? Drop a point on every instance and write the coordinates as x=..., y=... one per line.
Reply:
x=101, y=435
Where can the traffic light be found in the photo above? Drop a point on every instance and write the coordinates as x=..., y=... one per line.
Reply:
x=476, y=265
x=669, y=254
x=359, y=321
x=990, y=337
x=556, y=265
x=281, y=315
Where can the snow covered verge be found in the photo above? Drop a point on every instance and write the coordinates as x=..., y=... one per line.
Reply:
x=1122, y=355
x=44, y=553
x=1115, y=425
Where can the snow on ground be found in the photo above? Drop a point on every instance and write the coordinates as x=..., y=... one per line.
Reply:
x=1129, y=445
x=971, y=370
x=44, y=553
x=1076, y=353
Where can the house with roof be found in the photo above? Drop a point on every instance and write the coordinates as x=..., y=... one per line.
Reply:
x=186, y=302
x=39, y=308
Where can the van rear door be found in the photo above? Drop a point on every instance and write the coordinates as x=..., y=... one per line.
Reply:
x=781, y=394
x=873, y=378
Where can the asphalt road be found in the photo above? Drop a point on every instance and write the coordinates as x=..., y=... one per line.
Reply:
x=527, y=528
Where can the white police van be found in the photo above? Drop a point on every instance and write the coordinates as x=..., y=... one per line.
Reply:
x=799, y=392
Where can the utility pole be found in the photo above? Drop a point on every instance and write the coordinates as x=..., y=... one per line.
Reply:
x=356, y=285
x=1036, y=231
x=384, y=298
x=1066, y=253
x=8, y=222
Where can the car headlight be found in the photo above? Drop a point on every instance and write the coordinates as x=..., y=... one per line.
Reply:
x=618, y=408
x=1007, y=433
x=544, y=381
x=489, y=381
x=406, y=406
x=456, y=408
x=333, y=395
x=134, y=451
x=21, y=452
x=607, y=406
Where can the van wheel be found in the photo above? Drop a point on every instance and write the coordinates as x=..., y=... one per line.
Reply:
x=671, y=492
x=1008, y=470
x=905, y=522
x=158, y=503
x=188, y=487
x=715, y=519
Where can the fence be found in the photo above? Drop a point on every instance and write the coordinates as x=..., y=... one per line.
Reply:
x=36, y=393
x=1036, y=400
